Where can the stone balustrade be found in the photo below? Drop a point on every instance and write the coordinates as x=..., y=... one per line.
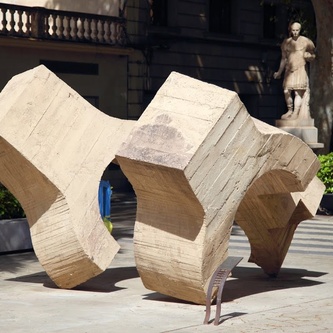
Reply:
x=47, y=24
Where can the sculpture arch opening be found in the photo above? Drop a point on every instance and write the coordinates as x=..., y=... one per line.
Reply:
x=269, y=214
x=32, y=189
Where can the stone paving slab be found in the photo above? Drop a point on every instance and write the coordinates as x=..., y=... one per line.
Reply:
x=299, y=300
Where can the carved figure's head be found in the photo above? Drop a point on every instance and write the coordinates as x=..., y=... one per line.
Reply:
x=295, y=29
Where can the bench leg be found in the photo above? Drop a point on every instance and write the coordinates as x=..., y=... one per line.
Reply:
x=218, y=280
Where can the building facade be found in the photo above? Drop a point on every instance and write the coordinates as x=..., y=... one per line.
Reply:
x=230, y=43
x=117, y=53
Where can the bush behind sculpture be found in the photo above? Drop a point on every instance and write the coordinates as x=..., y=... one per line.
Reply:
x=325, y=174
x=10, y=207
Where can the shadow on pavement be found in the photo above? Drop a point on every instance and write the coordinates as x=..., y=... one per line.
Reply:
x=11, y=262
x=228, y=316
x=104, y=282
x=248, y=281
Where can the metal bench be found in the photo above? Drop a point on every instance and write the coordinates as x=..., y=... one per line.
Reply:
x=218, y=280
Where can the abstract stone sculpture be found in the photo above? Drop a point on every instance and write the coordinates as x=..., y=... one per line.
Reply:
x=197, y=161
x=54, y=147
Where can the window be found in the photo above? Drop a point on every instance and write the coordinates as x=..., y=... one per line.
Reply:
x=93, y=100
x=269, y=21
x=220, y=16
x=68, y=67
x=159, y=12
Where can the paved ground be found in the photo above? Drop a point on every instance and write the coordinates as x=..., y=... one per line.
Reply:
x=299, y=300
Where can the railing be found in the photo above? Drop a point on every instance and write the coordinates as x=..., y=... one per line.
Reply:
x=42, y=23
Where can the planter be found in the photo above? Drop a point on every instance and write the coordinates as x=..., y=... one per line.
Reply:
x=15, y=235
x=327, y=202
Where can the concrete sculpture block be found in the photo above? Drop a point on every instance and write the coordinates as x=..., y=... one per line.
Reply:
x=54, y=147
x=198, y=161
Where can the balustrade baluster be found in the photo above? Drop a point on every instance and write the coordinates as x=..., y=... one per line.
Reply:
x=61, y=26
x=114, y=27
x=89, y=30
x=102, y=31
x=68, y=27
x=4, y=21
x=47, y=26
x=20, y=23
x=94, y=30
x=121, y=34
x=12, y=22
x=75, y=28
x=28, y=23
x=54, y=26
x=108, y=31
x=81, y=29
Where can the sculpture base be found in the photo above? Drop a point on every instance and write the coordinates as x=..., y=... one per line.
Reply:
x=303, y=129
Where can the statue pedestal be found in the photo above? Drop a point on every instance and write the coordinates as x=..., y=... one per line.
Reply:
x=303, y=129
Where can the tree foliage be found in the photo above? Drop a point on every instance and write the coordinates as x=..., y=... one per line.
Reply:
x=325, y=174
x=295, y=13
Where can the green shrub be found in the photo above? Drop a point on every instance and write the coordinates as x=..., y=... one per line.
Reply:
x=10, y=208
x=325, y=174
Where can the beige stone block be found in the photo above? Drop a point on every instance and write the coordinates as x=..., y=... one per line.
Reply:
x=198, y=162
x=54, y=147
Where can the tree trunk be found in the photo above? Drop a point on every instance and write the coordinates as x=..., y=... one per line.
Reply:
x=321, y=76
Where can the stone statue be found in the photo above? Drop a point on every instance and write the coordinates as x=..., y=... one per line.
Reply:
x=296, y=51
